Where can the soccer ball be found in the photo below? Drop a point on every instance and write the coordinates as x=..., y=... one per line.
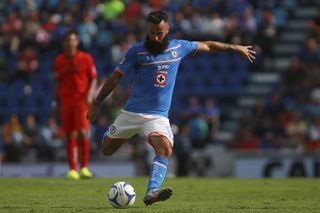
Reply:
x=121, y=195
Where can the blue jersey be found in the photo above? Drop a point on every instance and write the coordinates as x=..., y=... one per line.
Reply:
x=154, y=75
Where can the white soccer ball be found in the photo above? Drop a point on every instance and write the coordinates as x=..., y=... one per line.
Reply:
x=121, y=195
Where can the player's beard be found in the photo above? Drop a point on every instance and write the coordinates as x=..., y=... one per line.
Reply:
x=156, y=47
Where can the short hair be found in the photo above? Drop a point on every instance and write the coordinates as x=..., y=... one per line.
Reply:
x=68, y=33
x=157, y=17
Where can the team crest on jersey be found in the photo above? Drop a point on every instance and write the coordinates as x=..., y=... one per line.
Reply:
x=161, y=79
x=174, y=53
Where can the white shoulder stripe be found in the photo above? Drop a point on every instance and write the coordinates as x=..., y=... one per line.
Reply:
x=171, y=48
x=161, y=62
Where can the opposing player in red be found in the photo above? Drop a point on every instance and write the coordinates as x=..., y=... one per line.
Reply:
x=76, y=78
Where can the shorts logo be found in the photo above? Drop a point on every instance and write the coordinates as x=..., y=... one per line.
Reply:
x=112, y=129
x=161, y=79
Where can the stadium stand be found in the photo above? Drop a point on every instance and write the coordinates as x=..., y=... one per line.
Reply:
x=277, y=29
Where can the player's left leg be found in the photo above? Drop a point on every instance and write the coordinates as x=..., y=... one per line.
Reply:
x=72, y=155
x=67, y=118
x=163, y=151
x=84, y=155
x=81, y=124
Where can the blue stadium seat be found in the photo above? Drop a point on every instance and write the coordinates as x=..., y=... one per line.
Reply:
x=10, y=104
x=219, y=63
x=233, y=85
x=280, y=16
x=29, y=104
x=214, y=86
x=3, y=88
x=17, y=88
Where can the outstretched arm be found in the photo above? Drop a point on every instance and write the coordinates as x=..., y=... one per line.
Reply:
x=214, y=46
x=106, y=89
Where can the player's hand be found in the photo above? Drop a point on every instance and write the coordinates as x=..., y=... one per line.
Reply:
x=92, y=112
x=246, y=52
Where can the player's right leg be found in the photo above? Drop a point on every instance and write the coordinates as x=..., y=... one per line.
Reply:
x=111, y=145
x=163, y=150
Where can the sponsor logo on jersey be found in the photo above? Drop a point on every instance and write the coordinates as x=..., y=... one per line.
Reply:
x=160, y=79
x=163, y=67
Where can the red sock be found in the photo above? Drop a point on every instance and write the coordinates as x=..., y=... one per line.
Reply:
x=85, y=152
x=72, y=154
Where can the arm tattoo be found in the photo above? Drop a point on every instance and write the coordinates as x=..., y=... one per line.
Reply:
x=220, y=47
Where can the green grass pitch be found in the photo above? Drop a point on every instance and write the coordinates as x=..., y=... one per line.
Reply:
x=190, y=195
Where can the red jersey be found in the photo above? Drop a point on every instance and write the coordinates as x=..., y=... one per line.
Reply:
x=74, y=75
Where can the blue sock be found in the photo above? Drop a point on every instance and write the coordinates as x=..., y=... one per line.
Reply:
x=158, y=172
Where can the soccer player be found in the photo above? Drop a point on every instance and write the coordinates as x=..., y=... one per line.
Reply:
x=154, y=63
x=76, y=79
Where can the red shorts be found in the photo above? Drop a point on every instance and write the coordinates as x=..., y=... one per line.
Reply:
x=73, y=116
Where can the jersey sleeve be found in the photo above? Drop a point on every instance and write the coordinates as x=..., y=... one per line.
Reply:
x=188, y=47
x=128, y=62
x=92, y=71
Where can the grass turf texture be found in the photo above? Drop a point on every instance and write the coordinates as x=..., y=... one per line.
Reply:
x=190, y=195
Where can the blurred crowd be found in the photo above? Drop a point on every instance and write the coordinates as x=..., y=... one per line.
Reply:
x=290, y=117
x=30, y=37
x=32, y=28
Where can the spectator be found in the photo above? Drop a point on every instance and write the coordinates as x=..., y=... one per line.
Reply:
x=50, y=140
x=297, y=130
x=312, y=107
x=3, y=64
x=133, y=11
x=292, y=76
x=191, y=110
x=314, y=130
x=211, y=114
x=31, y=132
x=248, y=141
x=11, y=30
x=310, y=53
x=45, y=34
x=31, y=27
x=199, y=131
x=249, y=26
x=314, y=26
x=231, y=25
x=271, y=141
x=27, y=64
x=87, y=31
x=112, y=9
x=13, y=139
x=267, y=32
x=214, y=27
x=182, y=150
